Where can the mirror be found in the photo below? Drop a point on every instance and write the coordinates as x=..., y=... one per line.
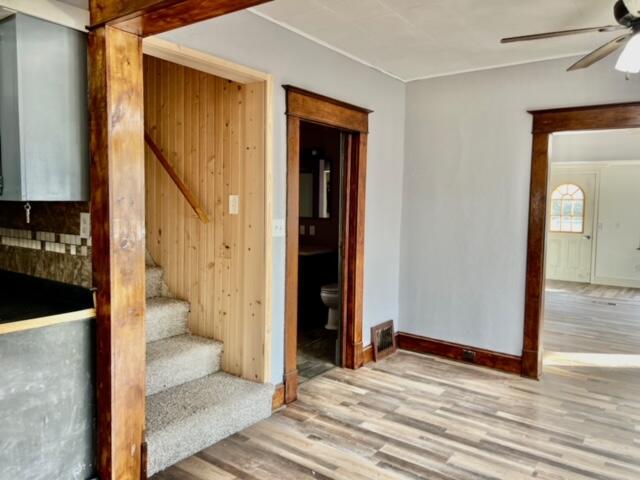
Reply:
x=315, y=184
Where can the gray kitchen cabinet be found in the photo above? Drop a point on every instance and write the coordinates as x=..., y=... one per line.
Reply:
x=43, y=111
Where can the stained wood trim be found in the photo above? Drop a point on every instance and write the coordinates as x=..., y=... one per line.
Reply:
x=151, y=17
x=49, y=321
x=353, y=255
x=278, y=397
x=545, y=123
x=308, y=106
x=118, y=226
x=597, y=117
x=291, y=282
x=313, y=107
x=534, y=293
x=367, y=355
x=455, y=351
x=182, y=187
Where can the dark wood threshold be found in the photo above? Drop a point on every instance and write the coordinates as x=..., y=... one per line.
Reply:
x=464, y=353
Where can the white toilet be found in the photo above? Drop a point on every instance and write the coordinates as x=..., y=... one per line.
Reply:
x=330, y=295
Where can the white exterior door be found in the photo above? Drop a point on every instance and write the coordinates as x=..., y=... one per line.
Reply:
x=570, y=213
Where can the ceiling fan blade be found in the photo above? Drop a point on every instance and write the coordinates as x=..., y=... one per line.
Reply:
x=601, y=52
x=563, y=33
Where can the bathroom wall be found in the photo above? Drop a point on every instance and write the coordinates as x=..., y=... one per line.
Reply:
x=50, y=245
x=327, y=230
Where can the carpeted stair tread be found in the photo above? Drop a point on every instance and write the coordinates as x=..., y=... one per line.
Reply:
x=155, y=282
x=188, y=418
x=177, y=360
x=166, y=317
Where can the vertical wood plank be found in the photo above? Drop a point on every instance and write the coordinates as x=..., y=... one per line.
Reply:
x=117, y=203
x=215, y=139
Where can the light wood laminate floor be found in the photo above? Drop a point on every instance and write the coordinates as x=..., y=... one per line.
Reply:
x=591, y=319
x=422, y=417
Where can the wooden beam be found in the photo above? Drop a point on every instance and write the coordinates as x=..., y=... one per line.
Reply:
x=117, y=206
x=151, y=17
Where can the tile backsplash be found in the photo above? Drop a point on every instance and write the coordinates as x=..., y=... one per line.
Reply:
x=50, y=246
x=62, y=243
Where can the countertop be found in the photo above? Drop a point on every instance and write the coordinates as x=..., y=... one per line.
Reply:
x=26, y=298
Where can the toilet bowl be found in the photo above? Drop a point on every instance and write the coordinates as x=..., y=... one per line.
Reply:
x=330, y=295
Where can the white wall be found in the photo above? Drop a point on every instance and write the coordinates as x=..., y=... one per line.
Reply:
x=466, y=187
x=618, y=235
x=601, y=146
x=250, y=40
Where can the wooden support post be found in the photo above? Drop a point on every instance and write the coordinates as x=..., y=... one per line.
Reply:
x=117, y=206
x=118, y=210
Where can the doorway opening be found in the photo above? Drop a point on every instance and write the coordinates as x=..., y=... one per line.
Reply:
x=322, y=155
x=326, y=178
x=582, y=305
x=592, y=285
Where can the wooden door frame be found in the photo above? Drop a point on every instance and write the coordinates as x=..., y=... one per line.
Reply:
x=546, y=123
x=303, y=105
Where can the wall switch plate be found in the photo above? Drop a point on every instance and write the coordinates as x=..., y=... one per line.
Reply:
x=234, y=204
x=279, y=228
x=303, y=230
x=312, y=230
x=85, y=225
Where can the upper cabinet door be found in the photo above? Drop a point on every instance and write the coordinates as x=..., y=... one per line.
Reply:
x=43, y=111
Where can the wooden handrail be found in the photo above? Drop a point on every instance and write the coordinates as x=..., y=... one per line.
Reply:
x=188, y=194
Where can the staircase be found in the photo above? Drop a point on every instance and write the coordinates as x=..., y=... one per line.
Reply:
x=191, y=403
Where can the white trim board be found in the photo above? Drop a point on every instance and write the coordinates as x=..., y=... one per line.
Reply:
x=172, y=52
x=52, y=11
x=596, y=164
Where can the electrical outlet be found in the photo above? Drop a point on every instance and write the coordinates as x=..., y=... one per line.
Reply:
x=234, y=204
x=279, y=227
x=469, y=356
x=312, y=230
x=85, y=225
x=303, y=230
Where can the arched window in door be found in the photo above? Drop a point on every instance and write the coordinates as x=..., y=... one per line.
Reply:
x=567, y=209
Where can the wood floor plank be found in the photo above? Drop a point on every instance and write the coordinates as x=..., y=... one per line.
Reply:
x=419, y=417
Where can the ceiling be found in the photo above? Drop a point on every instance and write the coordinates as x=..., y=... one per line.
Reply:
x=413, y=39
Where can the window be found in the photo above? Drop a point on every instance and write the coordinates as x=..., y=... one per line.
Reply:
x=567, y=209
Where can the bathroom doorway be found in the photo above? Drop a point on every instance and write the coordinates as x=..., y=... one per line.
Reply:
x=326, y=177
x=321, y=194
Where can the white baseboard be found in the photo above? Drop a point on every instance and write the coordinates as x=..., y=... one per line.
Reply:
x=616, y=282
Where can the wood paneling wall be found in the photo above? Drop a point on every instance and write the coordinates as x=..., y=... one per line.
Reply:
x=212, y=130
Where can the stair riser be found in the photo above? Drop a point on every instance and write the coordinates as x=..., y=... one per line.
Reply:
x=200, y=431
x=154, y=282
x=170, y=372
x=166, y=323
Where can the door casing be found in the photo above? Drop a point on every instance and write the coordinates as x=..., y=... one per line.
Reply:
x=303, y=105
x=545, y=123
